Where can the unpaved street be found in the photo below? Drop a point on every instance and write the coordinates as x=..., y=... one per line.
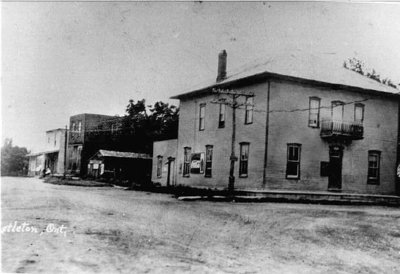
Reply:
x=111, y=230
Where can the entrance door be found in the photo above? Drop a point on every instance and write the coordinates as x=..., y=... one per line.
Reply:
x=171, y=171
x=335, y=168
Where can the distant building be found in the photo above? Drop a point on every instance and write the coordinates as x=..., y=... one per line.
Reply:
x=51, y=156
x=300, y=125
x=89, y=133
x=36, y=164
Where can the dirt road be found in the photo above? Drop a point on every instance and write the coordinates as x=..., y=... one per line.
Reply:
x=115, y=231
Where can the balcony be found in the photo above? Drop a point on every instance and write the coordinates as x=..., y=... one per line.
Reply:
x=341, y=130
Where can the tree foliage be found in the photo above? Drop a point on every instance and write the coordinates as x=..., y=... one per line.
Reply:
x=163, y=121
x=358, y=66
x=13, y=159
x=142, y=125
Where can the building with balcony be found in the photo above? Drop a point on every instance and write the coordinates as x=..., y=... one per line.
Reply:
x=87, y=134
x=296, y=124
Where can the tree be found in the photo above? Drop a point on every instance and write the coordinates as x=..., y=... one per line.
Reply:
x=358, y=66
x=164, y=121
x=13, y=159
x=142, y=125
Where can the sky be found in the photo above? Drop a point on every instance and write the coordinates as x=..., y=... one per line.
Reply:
x=64, y=58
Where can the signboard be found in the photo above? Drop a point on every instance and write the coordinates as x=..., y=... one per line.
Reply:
x=197, y=163
x=398, y=171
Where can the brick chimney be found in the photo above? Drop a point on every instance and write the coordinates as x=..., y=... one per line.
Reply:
x=221, y=66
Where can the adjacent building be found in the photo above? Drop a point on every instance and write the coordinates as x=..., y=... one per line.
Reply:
x=52, y=156
x=164, y=170
x=120, y=165
x=297, y=124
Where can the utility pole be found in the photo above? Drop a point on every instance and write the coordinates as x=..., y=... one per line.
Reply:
x=65, y=150
x=233, y=158
x=234, y=105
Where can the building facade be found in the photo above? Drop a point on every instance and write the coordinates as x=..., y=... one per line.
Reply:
x=304, y=129
x=52, y=155
x=35, y=166
x=89, y=133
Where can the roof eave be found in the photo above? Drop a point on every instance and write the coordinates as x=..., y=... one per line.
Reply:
x=264, y=75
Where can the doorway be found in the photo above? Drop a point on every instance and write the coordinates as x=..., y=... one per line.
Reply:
x=335, y=168
x=171, y=172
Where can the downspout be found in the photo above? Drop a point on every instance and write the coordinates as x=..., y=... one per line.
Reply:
x=266, y=136
x=397, y=173
x=177, y=161
x=195, y=126
x=65, y=150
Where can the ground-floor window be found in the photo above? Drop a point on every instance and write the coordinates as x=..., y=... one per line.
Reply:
x=244, y=159
x=209, y=152
x=186, y=161
x=373, y=166
x=293, y=161
x=159, y=166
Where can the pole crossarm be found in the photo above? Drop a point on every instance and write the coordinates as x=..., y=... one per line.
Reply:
x=233, y=92
x=230, y=103
x=222, y=101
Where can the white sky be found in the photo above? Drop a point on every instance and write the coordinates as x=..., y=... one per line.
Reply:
x=61, y=59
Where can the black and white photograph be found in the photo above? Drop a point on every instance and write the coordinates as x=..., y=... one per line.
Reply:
x=200, y=137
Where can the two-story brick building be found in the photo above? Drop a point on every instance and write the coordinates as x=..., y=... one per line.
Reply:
x=300, y=125
x=89, y=133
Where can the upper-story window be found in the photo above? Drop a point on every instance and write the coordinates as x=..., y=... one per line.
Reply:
x=359, y=113
x=202, y=114
x=79, y=126
x=221, y=116
x=55, y=141
x=293, y=161
x=374, y=157
x=313, y=117
x=186, y=161
x=244, y=159
x=73, y=126
x=248, y=119
x=337, y=111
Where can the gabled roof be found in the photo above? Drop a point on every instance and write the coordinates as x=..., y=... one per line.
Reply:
x=121, y=154
x=306, y=68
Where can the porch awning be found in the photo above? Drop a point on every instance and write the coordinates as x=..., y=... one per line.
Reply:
x=42, y=153
x=121, y=154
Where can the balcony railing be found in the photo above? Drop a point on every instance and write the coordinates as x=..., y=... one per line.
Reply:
x=340, y=129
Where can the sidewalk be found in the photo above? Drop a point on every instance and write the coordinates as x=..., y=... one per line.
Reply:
x=303, y=197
